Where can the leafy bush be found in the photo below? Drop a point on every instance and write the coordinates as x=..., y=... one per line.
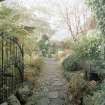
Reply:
x=32, y=69
x=76, y=84
x=68, y=75
x=77, y=88
x=98, y=9
x=88, y=47
x=34, y=61
x=71, y=63
x=96, y=97
x=31, y=74
x=37, y=62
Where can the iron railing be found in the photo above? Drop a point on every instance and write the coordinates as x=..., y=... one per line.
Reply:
x=11, y=65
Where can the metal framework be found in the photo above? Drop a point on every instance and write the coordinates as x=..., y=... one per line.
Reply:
x=11, y=65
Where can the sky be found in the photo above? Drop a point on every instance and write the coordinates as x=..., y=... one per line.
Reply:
x=53, y=19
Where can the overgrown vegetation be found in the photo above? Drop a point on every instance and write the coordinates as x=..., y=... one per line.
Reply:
x=26, y=28
x=98, y=10
x=32, y=71
x=81, y=55
x=71, y=63
x=78, y=88
x=96, y=97
x=88, y=48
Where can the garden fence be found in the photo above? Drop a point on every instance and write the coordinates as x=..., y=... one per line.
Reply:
x=11, y=65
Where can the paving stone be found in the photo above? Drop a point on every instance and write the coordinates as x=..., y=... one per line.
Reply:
x=57, y=83
x=53, y=95
x=5, y=103
x=52, y=85
x=58, y=101
x=43, y=101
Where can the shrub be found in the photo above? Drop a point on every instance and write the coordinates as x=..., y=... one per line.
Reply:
x=37, y=62
x=77, y=88
x=88, y=47
x=71, y=63
x=31, y=74
x=34, y=61
x=77, y=83
x=32, y=70
x=96, y=97
x=68, y=75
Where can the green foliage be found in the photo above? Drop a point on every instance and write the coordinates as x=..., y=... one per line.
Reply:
x=27, y=27
x=96, y=97
x=14, y=21
x=77, y=88
x=34, y=61
x=44, y=45
x=98, y=9
x=71, y=63
x=9, y=22
x=30, y=45
x=76, y=83
x=33, y=69
x=69, y=43
x=37, y=62
x=88, y=47
x=21, y=23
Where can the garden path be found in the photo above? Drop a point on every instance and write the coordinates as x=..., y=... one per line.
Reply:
x=53, y=86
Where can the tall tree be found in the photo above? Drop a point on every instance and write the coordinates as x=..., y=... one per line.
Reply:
x=24, y=24
x=73, y=16
x=9, y=21
x=43, y=44
x=21, y=21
